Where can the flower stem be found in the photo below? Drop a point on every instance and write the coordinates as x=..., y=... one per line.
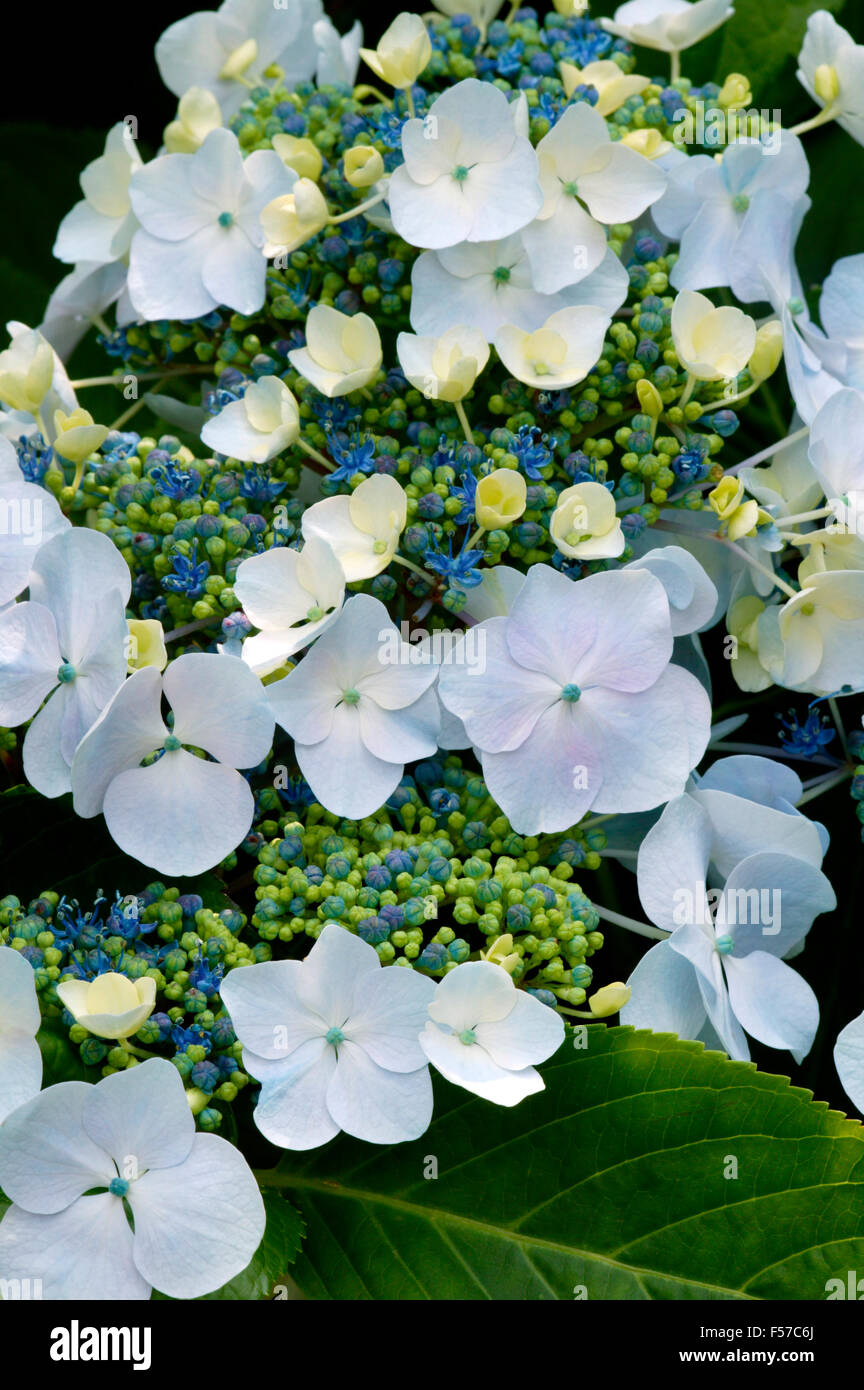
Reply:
x=189, y=627
x=469, y=544
x=823, y=784
x=464, y=422
x=757, y=565
x=120, y=380
x=314, y=454
x=410, y=565
x=828, y=113
x=674, y=65
x=355, y=212
x=619, y=920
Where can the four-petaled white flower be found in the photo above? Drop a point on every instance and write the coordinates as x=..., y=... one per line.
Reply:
x=588, y=182
x=179, y=814
x=486, y=1035
x=559, y=353
x=491, y=284
x=831, y=68
x=263, y=423
x=20, y=1019
x=342, y=353
x=577, y=682
x=33, y=517
x=200, y=243
x=667, y=25
x=585, y=525
x=291, y=596
x=66, y=646
x=225, y=50
x=467, y=176
x=333, y=1039
x=716, y=976
x=74, y=1157
x=358, y=708
x=362, y=530
x=338, y=54
x=710, y=202
x=691, y=594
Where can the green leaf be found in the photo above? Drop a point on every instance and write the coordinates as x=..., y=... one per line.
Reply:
x=60, y=1060
x=613, y=1180
x=270, y=1263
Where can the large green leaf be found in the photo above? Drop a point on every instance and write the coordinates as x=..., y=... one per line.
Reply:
x=613, y=1181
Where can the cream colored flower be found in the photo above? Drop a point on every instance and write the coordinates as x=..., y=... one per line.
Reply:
x=111, y=1006
x=500, y=499
x=742, y=623
x=735, y=92
x=26, y=371
x=402, y=53
x=263, y=423
x=612, y=85
x=363, y=166
x=444, y=368
x=585, y=525
x=362, y=530
x=197, y=114
x=647, y=142
x=299, y=154
x=500, y=952
x=290, y=220
x=342, y=353
x=610, y=999
x=768, y=351
x=559, y=354
x=713, y=344
x=77, y=434
x=146, y=644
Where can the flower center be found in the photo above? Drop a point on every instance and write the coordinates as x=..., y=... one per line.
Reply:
x=807, y=610
x=502, y=274
x=740, y=203
x=226, y=219
x=66, y=673
x=468, y=1036
x=725, y=945
x=351, y=696
x=570, y=693
x=571, y=189
x=118, y=1187
x=315, y=615
x=172, y=743
x=460, y=173
x=796, y=306
x=334, y=1036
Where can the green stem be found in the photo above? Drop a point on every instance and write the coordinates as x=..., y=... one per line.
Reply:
x=470, y=544
x=824, y=784
x=828, y=113
x=640, y=928
x=355, y=212
x=314, y=454
x=410, y=565
x=464, y=422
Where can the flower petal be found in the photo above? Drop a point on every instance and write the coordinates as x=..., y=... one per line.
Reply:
x=141, y=1117
x=382, y=1107
x=219, y=705
x=47, y=1159
x=82, y=1253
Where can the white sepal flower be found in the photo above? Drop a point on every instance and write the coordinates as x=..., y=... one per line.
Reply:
x=750, y=801
x=691, y=594
x=715, y=976
x=821, y=634
x=467, y=175
x=292, y=596
x=101, y=226
x=667, y=25
x=831, y=68
x=263, y=423
x=200, y=242
x=362, y=530
x=65, y=646
x=20, y=1019
x=486, y=1035
x=588, y=182
x=342, y=354
x=180, y=814
x=198, y=1213
x=338, y=54
x=403, y=51
x=333, y=1039
x=613, y=86
x=710, y=204
x=443, y=368
x=712, y=344
x=577, y=706
x=490, y=284
x=33, y=517
x=558, y=354
x=358, y=708
x=85, y=293
x=836, y=450
x=239, y=40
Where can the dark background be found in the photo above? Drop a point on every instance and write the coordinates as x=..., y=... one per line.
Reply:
x=86, y=69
